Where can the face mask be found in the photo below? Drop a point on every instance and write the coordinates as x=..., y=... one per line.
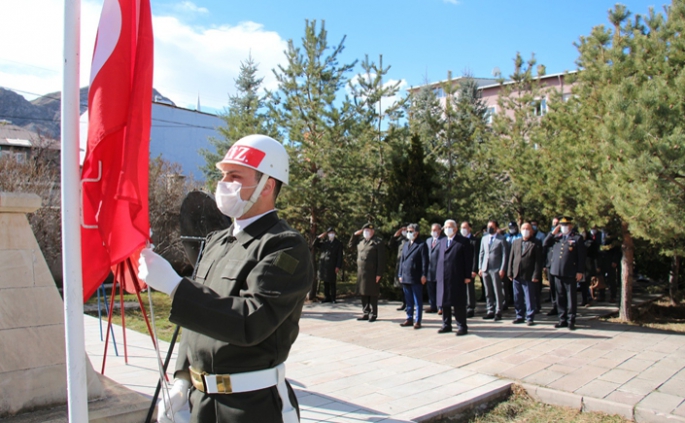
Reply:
x=525, y=233
x=435, y=234
x=535, y=227
x=449, y=232
x=491, y=230
x=404, y=233
x=513, y=231
x=565, y=229
x=411, y=236
x=367, y=234
x=464, y=232
x=331, y=237
x=228, y=199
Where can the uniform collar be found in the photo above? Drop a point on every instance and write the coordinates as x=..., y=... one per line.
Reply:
x=255, y=227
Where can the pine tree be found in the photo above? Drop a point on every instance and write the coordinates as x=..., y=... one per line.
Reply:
x=246, y=115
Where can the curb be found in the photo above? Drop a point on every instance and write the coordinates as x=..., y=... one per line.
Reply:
x=476, y=403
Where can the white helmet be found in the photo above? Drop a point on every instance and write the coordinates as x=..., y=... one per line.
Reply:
x=261, y=153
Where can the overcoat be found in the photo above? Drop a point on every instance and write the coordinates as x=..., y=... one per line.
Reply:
x=454, y=265
x=330, y=257
x=241, y=314
x=370, y=263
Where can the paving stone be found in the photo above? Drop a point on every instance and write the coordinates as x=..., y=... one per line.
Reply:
x=618, y=376
x=597, y=388
x=543, y=377
x=624, y=397
x=660, y=402
x=673, y=387
x=636, y=364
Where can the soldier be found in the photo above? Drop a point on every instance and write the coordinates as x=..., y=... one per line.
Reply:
x=240, y=315
x=330, y=262
x=370, y=267
x=397, y=242
x=567, y=267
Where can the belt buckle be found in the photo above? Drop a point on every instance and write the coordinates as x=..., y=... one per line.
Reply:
x=221, y=382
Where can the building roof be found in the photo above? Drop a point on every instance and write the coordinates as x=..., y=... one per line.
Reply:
x=484, y=83
x=16, y=136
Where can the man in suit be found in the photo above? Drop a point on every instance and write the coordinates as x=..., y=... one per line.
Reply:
x=540, y=235
x=330, y=262
x=525, y=270
x=548, y=261
x=412, y=275
x=453, y=273
x=433, y=247
x=370, y=268
x=465, y=231
x=396, y=243
x=567, y=268
x=492, y=265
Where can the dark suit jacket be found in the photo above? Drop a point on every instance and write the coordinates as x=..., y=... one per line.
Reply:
x=454, y=265
x=433, y=256
x=526, y=263
x=413, y=262
x=567, y=256
x=475, y=248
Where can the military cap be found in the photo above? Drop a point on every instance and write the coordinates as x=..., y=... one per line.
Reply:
x=368, y=225
x=565, y=220
x=513, y=224
x=330, y=229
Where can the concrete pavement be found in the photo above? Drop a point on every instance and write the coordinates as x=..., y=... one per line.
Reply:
x=344, y=370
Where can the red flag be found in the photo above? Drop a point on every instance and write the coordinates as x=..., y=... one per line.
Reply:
x=114, y=179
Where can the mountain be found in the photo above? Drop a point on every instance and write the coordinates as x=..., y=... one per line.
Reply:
x=43, y=114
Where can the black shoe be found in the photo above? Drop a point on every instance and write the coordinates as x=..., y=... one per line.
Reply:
x=372, y=319
x=530, y=323
x=407, y=323
x=404, y=307
x=469, y=313
x=518, y=321
x=498, y=317
x=553, y=312
x=561, y=325
x=430, y=310
x=489, y=316
x=364, y=317
x=571, y=326
x=462, y=332
x=325, y=300
x=444, y=330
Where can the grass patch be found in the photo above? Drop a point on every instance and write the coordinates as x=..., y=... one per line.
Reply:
x=521, y=408
x=660, y=314
x=134, y=318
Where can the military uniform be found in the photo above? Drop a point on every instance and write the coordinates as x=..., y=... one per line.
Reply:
x=609, y=258
x=241, y=314
x=370, y=264
x=330, y=258
x=567, y=258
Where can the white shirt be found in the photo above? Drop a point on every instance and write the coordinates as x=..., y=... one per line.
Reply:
x=240, y=224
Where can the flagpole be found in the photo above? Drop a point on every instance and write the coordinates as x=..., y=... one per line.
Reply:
x=77, y=386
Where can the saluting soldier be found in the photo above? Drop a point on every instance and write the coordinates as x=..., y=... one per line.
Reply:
x=330, y=262
x=240, y=315
x=370, y=267
x=566, y=268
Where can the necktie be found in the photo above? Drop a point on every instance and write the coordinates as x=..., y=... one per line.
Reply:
x=449, y=241
x=492, y=238
x=434, y=242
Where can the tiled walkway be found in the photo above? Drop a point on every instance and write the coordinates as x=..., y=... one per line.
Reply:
x=349, y=371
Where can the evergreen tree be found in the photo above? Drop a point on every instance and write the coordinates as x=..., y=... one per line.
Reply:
x=246, y=115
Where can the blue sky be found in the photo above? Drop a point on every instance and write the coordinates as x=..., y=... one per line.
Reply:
x=200, y=43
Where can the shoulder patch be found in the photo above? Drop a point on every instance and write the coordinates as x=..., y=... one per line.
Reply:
x=286, y=262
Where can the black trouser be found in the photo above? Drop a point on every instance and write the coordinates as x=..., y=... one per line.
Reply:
x=552, y=290
x=329, y=290
x=567, y=298
x=508, y=287
x=370, y=305
x=471, y=296
x=459, y=306
x=610, y=278
x=585, y=290
x=538, y=297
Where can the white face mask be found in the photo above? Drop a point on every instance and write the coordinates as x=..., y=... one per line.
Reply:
x=367, y=234
x=464, y=232
x=331, y=237
x=228, y=198
x=435, y=234
x=525, y=233
x=404, y=233
x=565, y=229
x=449, y=232
x=411, y=236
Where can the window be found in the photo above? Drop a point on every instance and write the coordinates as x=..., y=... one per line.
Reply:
x=439, y=92
x=490, y=114
x=540, y=107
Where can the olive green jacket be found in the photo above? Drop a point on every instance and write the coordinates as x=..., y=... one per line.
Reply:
x=371, y=256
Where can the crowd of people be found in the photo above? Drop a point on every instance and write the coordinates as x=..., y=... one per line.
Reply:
x=510, y=265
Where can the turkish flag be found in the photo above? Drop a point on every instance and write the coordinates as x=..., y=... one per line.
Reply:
x=114, y=179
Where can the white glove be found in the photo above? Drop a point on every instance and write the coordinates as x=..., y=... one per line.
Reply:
x=157, y=272
x=178, y=395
